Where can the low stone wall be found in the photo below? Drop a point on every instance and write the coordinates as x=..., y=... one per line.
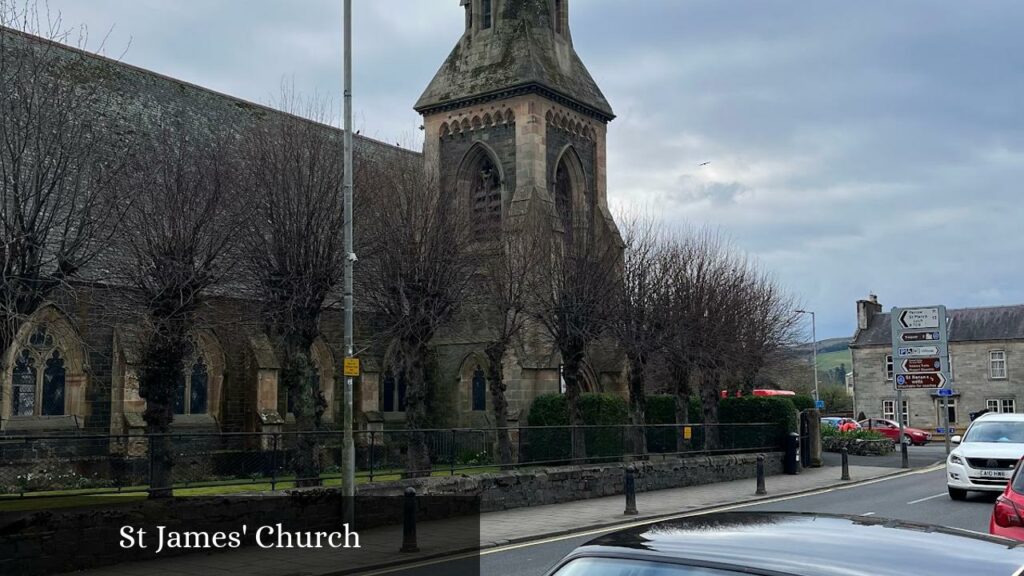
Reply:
x=521, y=488
x=857, y=447
x=39, y=542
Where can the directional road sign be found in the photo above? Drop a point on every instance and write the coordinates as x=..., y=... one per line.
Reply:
x=920, y=348
x=913, y=381
x=917, y=318
x=919, y=336
x=922, y=365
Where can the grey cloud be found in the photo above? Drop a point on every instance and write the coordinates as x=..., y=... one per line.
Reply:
x=855, y=146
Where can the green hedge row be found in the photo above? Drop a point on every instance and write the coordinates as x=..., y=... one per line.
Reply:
x=612, y=410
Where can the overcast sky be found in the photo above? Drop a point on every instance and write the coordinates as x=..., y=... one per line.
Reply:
x=855, y=147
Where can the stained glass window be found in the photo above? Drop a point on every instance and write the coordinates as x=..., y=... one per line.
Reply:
x=39, y=378
x=24, y=384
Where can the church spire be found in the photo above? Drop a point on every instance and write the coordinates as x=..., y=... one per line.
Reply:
x=515, y=46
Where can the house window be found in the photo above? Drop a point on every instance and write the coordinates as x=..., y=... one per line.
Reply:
x=38, y=378
x=888, y=367
x=479, y=390
x=939, y=403
x=1001, y=405
x=889, y=411
x=485, y=14
x=997, y=364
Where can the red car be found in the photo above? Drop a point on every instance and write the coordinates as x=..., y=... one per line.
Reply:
x=1008, y=515
x=891, y=429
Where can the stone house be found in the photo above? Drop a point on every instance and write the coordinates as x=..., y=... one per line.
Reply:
x=986, y=347
x=512, y=119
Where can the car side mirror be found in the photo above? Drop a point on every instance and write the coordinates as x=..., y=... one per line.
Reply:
x=956, y=439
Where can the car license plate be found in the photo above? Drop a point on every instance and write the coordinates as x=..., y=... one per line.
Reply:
x=995, y=473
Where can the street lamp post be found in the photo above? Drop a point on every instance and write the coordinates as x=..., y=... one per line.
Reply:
x=814, y=337
x=348, y=459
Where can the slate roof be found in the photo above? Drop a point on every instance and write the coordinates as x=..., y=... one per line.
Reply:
x=521, y=52
x=966, y=325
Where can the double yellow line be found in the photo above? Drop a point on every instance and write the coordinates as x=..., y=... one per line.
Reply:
x=645, y=522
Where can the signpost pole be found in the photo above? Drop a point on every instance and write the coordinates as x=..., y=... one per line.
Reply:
x=945, y=420
x=904, y=458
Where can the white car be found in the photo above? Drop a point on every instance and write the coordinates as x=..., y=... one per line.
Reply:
x=986, y=455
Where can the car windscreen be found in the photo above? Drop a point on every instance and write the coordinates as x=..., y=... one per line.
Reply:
x=622, y=567
x=996, y=432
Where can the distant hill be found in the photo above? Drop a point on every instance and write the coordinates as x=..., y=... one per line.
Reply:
x=832, y=353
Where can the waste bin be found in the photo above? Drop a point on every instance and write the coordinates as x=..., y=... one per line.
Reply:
x=791, y=462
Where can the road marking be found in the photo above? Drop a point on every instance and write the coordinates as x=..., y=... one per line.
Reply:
x=607, y=529
x=868, y=514
x=919, y=500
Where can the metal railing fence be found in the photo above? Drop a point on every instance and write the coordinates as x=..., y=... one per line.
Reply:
x=205, y=463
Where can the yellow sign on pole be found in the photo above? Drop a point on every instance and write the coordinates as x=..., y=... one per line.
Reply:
x=687, y=433
x=351, y=367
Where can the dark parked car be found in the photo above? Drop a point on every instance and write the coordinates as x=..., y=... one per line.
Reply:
x=790, y=544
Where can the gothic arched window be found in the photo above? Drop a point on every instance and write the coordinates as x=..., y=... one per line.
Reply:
x=485, y=14
x=479, y=390
x=563, y=195
x=393, y=393
x=191, y=394
x=39, y=378
x=485, y=195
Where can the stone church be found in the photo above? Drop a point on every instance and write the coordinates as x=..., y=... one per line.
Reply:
x=512, y=120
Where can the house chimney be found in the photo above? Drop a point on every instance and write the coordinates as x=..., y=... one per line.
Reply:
x=866, y=309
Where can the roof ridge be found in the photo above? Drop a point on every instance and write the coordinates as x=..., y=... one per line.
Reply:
x=159, y=75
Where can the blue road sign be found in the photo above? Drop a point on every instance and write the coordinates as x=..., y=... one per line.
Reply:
x=944, y=392
x=819, y=404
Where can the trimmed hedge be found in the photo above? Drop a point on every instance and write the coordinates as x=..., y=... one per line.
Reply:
x=802, y=402
x=750, y=409
x=598, y=410
x=661, y=409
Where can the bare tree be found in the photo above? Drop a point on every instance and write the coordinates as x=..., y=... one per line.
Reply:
x=507, y=263
x=58, y=207
x=571, y=295
x=728, y=319
x=640, y=312
x=294, y=248
x=176, y=237
x=416, y=267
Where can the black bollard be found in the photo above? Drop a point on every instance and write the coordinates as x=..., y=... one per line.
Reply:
x=904, y=458
x=761, y=491
x=630, y=482
x=409, y=544
x=846, y=463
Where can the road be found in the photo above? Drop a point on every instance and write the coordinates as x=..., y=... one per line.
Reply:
x=919, y=497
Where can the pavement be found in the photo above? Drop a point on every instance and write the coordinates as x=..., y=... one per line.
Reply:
x=513, y=540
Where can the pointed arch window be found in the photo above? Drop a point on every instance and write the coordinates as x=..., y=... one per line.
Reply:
x=479, y=390
x=191, y=394
x=39, y=377
x=486, y=15
x=393, y=392
x=486, y=198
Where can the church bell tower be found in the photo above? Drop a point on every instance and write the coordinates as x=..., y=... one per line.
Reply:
x=514, y=118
